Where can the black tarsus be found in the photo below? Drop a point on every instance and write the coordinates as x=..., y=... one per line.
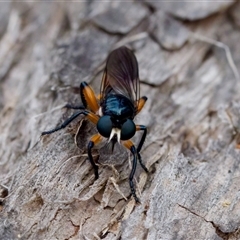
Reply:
x=144, y=129
x=82, y=86
x=74, y=107
x=66, y=122
x=134, y=166
x=95, y=167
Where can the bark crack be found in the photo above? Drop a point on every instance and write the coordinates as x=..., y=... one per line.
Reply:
x=219, y=232
x=76, y=230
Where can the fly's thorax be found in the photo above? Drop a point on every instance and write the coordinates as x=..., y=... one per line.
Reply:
x=118, y=107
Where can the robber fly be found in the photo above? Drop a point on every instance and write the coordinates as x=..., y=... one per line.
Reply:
x=114, y=110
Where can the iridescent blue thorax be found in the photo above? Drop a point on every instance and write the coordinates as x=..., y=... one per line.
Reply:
x=118, y=107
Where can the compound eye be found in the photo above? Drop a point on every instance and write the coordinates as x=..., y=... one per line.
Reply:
x=104, y=126
x=128, y=130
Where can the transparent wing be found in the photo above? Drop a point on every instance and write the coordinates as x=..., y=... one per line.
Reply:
x=121, y=74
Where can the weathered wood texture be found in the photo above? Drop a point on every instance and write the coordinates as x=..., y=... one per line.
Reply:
x=192, y=114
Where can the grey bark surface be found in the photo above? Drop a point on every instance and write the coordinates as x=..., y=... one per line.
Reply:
x=188, y=71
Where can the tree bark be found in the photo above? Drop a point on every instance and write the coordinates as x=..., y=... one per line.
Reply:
x=188, y=56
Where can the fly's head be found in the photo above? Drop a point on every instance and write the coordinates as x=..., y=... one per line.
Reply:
x=112, y=127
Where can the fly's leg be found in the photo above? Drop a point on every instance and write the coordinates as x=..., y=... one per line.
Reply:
x=128, y=144
x=144, y=129
x=88, y=97
x=95, y=139
x=74, y=107
x=140, y=104
x=91, y=116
